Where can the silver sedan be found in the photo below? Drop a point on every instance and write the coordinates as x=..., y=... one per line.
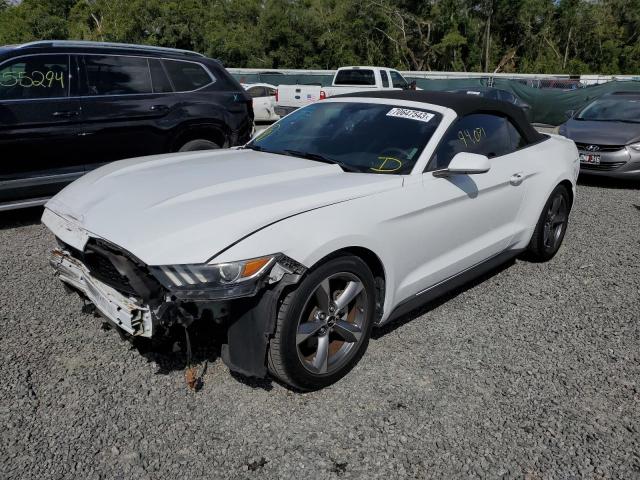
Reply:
x=607, y=134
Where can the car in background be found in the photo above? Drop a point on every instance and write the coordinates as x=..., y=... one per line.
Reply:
x=67, y=107
x=497, y=94
x=344, y=215
x=264, y=101
x=346, y=80
x=607, y=134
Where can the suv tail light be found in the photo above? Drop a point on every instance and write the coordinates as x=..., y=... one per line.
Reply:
x=276, y=94
x=323, y=94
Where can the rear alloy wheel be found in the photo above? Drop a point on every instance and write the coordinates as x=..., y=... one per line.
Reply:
x=198, y=144
x=324, y=325
x=551, y=227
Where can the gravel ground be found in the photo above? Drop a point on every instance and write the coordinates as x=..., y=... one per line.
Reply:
x=532, y=372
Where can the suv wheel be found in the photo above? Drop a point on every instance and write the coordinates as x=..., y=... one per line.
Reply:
x=198, y=144
x=323, y=326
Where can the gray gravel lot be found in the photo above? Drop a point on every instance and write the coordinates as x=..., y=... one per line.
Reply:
x=533, y=372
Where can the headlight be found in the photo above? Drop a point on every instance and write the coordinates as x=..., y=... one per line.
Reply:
x=562, y=130
x=214, y=282
x=635, y=146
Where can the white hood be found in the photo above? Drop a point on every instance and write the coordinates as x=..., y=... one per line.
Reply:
x=186, y=208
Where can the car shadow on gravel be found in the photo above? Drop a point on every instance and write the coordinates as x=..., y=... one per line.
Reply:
x=20, y=218
x=169, y=354
x=606, y=182
x=380, y=332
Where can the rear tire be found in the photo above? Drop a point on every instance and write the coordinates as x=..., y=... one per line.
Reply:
x=551, y=227
x=198, y=144
x=323, y=326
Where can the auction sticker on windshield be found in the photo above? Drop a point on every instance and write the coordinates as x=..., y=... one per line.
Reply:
x=411, y=114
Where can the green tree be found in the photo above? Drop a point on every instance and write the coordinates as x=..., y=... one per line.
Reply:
x=34, y=20
x=528, y=36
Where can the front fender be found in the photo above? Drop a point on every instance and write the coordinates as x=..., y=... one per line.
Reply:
x=311, y=236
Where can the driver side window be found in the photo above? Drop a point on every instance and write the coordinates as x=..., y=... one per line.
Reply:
x=484, y=134
x=398, y=80
x=35, y=77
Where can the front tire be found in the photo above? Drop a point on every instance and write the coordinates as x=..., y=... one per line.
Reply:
x=323, y=326
x=198, y=144
x=551, y=227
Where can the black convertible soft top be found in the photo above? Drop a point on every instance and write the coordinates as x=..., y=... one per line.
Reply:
x=462, y=104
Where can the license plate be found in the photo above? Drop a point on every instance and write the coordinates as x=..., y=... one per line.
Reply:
x=590, y=158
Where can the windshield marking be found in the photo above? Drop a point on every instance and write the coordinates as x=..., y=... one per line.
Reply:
x=410, y=114
x=383, y=166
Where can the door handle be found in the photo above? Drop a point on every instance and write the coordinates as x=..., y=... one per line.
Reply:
x=516, y=179
x=66, y=114
x=158, y=108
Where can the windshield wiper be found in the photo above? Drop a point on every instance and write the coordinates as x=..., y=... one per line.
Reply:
x=320, y=158
x=614, y=120
x=625, y=121
x=251, y=146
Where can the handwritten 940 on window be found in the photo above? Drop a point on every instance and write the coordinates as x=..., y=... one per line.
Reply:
x=472, y=137
x=47, y=79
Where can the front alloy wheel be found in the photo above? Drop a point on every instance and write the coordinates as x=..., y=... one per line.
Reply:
x=331, y=325
x=323, y=326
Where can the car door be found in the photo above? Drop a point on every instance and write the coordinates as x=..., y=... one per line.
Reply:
x=39, y=126
x=471, y=218
x=122, y=111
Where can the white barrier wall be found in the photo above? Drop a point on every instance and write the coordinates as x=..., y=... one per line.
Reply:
x=584, y=79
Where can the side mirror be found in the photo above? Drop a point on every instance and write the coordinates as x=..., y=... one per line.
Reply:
x=465, y=163
x=569, y=114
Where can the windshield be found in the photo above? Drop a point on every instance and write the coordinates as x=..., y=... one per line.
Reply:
x=369, y=138
x=612, y=110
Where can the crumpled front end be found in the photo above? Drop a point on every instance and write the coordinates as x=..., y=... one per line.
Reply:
x=116, y=283
x=148, y=301
x=126, y=312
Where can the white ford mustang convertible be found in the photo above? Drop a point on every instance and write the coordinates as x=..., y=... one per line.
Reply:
x=340, y=217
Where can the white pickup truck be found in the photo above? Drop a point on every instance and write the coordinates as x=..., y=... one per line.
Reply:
x=345, y=80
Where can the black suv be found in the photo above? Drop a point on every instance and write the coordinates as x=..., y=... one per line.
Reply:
x=68, y=107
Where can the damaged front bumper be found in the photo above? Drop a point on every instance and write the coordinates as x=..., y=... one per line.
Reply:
x=249, y=321
x=126, y=312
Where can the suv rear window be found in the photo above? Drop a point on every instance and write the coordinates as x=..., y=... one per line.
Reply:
x=355, y=77
x=115, y=75
x=187, y=76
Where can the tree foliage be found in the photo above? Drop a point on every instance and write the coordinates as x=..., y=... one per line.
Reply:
x=538, y=36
